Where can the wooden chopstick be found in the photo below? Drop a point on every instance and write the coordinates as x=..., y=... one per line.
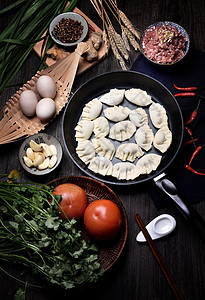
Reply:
x=159, y=259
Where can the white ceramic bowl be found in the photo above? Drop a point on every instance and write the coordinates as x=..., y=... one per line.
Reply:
x=73, y=16
x=168, y=24
x=40, y=138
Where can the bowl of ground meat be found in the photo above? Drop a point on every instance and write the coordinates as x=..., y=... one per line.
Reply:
x=164, y=43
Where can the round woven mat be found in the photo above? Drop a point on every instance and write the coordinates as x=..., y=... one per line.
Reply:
x=94, y=189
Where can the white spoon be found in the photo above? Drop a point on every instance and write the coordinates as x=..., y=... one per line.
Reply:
x=159, y=227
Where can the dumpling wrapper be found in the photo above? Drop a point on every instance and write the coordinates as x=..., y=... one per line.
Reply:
x=116, y=113
x=104, y=147
x=138, y=97
x=158, y=115
x=125, y=170
x=148, y=163
x=83, y=130
x=122, y=131
x=85, y=151
x=101, y=127
x=138, y=117
x=92, y=109
x=128, y=151
x=163, y=139
x=144, y=137
x=113, y=97
x=101, y=165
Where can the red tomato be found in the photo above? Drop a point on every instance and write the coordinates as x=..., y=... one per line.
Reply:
x=102, y=219
x=74, y=200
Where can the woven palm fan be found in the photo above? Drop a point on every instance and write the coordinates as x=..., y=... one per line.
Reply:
x=14, y=125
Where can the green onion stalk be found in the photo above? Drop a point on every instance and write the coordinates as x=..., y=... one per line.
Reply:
x=24, y=31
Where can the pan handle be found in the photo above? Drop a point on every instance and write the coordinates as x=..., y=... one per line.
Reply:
x=166, y=186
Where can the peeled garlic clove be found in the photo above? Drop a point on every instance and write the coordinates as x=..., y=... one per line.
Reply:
x=30, y=153
x=39, y=159
x=46, y=149
x=53, y=161
x=34, y=146
x=45, y=164
x=53, y=149
x=28, y=161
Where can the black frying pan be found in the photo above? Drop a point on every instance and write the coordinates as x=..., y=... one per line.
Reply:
x=159, y=93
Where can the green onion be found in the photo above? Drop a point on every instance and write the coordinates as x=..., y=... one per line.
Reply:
x=26, y=28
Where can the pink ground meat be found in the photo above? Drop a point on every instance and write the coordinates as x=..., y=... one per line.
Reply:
x=164, y=44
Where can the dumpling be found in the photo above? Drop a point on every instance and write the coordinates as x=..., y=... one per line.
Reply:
x=116, y=113
x=86, y=151
x=163, y=139
x=101, y=165
x=113, y=97
x=92, y=109
x=83, y=130
x=144, y=137
x=128, y=151
x=104, y=147
x=148, y=163
x=138, y=97
x=122, y=131
x=158, y=115
x=138, y=117
x=125, y=170
x=101, y=127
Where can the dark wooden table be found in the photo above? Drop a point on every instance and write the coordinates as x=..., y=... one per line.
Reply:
x=136, y=274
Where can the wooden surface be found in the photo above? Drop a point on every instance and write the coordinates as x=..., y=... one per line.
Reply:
x=136, y=274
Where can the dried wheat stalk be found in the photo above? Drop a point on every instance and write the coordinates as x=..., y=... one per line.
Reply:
x=131, y=38
x=125, y=40
x=128, y=24
x=119, y=43
x=115, y=50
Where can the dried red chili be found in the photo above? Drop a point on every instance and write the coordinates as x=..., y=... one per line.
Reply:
x=189, y=142
x=193, y=171
x=187, y=94
x=188, y=89
x=189, y=131
x=195, y=153
x=193, y=115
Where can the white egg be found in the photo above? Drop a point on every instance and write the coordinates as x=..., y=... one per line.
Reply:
x=46, y=109
x=28, y=101
x=46, y=86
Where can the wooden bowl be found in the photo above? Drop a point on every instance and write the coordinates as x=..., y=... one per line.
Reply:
x=109, y=250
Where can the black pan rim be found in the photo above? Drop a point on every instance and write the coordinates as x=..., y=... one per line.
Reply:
x=108, y=179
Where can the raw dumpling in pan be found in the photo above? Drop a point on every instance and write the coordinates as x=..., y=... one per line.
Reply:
x=122, y=131
x=104, y=147
x=92, y=109
x=138, y=117
x=83, y=130
x=128, y=151
x=101, y=127
x=125, y=170
x=86, y=151
x=158, y=115
x=113, y=97
x=148, y=163
x=101, y=165
x=163, y=139
x=138, y=97
x=144, y=137
x=116, y=113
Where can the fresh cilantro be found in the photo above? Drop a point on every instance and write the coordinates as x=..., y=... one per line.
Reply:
x=32, y=233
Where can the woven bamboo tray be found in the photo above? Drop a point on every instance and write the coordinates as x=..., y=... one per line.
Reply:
x=14, y=125
x=94, y=189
